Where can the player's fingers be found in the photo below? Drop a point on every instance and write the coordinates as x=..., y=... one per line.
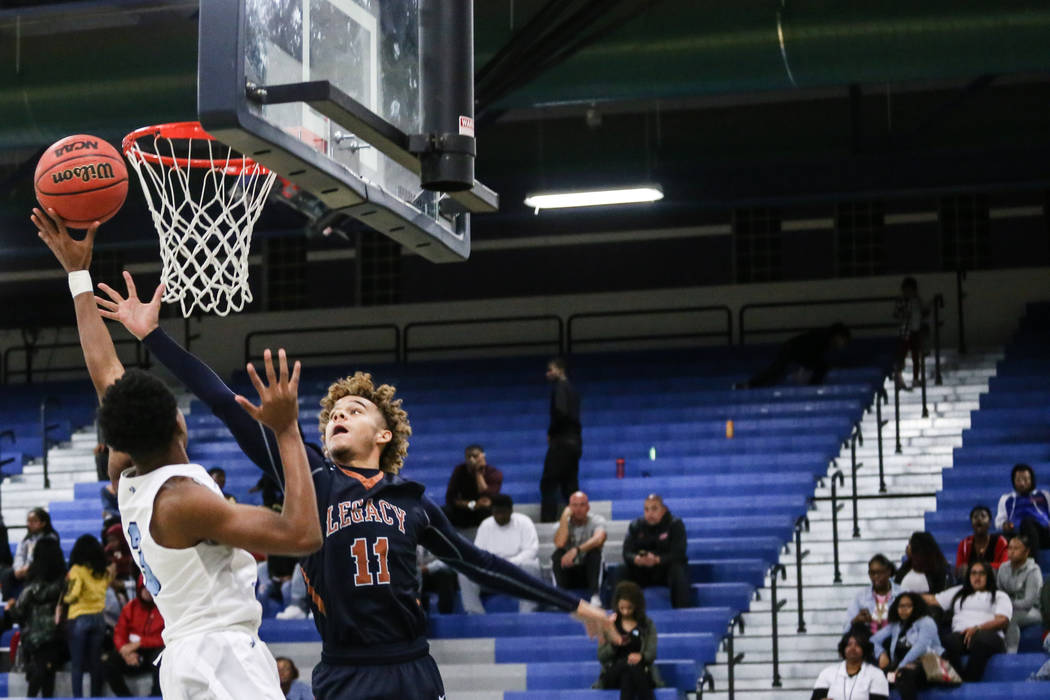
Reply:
x=106, y=304
x=108, y=314
x=249, y=408
x=282, y=360
x=132, y=292
x=89, y=237
x=254, y=377
x=294, y=382
x=60, y=223
x=110, y=292
x=271, y=376
x=157, y=294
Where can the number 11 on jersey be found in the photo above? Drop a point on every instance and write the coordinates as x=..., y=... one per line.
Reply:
x=359, y=551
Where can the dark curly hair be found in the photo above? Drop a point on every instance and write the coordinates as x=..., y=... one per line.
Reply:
x=863, y=638
x=918, y=609
x=48, y=563
x=392, y=456
x=88, y=552
x=632, y=593
x=138, y=415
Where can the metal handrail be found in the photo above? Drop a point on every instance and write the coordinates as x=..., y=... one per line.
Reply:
x=800, y=523
x=30, y=350
x=728, y=332
x=836, y=478
x=45, y=428
x=880, y=398
x=395, y=349
x=774, y=608
x=406, y=334
x=734, y=659
x=807, y=302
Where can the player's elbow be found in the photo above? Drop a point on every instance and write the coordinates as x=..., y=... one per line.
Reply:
x=307, y=542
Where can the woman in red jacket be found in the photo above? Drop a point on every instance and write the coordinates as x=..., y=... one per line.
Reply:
x=137, y=643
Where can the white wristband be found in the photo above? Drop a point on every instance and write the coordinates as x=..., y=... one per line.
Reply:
x=80, y=282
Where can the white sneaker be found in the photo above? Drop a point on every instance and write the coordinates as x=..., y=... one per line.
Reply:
x=292, y=612
x=596, y=600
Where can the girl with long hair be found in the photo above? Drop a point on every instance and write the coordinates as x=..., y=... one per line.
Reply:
x=910, y=634
x=980, y=614
x=925, y=570
x=88, y=578
x=41, y=641
x=628, y=666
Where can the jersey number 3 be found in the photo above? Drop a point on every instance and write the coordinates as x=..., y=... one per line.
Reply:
x=364, y=576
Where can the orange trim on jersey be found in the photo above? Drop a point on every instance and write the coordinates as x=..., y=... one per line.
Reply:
x=367, y=482
x=313, y=594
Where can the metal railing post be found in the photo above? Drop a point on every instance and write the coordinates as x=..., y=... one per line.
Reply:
x=922, y=376
x=803, y=521
x=938, y=304
x=734, y=658
x=854, y=467
x=880, y=397
x=897, y=414
x=836, y=479
x=774, y=607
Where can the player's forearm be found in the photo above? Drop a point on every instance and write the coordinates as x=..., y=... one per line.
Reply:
x=100, y=355
x=300, y=501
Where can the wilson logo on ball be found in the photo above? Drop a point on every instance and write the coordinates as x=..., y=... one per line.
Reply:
x=92, y=171
x=75, y=146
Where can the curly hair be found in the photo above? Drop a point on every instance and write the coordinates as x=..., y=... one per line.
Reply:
x=88, y=552
x=138, y=415
x=392, y=457
x=632, y=593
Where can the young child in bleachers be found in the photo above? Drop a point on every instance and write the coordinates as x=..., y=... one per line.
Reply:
x=1022, y=580
x=88, y=579
x=981, y=545
x=41, y=642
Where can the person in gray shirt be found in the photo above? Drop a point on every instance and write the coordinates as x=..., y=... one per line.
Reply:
x=577, y=559
x=1021, y=579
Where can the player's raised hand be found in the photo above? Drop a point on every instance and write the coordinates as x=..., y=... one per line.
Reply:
x=139, y=318
x=279, y=409
x=72, y=254
x=597, y=623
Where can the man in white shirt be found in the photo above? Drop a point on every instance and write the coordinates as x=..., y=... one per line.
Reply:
x=508, y=535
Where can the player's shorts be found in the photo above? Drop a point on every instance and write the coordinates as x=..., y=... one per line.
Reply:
x=229, y=665
x=418, y=679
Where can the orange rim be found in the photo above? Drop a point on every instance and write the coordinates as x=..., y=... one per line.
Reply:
x=189, y=131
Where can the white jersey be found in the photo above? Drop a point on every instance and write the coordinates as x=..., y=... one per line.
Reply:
x=206, y=588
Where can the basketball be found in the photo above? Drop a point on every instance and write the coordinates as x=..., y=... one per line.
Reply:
x=83, y=179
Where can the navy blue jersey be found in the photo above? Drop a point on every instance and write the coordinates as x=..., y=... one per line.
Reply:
x=362, y=584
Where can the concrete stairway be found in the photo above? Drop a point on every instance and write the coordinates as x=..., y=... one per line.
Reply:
x=884, y=523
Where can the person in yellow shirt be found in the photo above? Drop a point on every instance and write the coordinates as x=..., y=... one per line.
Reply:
x=86, y=584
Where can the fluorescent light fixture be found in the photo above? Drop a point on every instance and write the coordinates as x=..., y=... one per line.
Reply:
x=594, y=198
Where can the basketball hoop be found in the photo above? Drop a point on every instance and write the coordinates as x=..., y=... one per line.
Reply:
x=205, y=199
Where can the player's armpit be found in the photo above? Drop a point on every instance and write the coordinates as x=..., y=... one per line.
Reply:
x=186, y=513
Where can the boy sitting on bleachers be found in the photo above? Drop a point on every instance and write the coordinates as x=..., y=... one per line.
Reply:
x=508, y=535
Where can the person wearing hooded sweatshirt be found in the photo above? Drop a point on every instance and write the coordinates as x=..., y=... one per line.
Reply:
x=654, y=552
x=1025, y=510
x=137, y=643
x=1022, y=580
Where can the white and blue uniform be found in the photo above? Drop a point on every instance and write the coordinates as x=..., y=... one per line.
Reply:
x=206, y=595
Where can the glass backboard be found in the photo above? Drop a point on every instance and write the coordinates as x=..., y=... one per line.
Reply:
x=328, y=93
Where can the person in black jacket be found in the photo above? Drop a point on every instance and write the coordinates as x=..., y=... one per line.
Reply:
x=806, y=357
x=654, y=552
x=561, y=466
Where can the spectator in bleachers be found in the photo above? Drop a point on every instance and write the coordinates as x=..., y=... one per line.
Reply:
x=508, y=535
x=910, y=312
x=628, y=666
x=1022, y=580
x=119, y=554
x=274, y=580
x=43, y=646
x=1026, y=509
x=294, y=592
x=468, y=498
x=110, y=508
x=981, y=545
x=435, y=576
x=561, y=466
x=137, y=643
x=910, y=633
x=804, y=359
x=980, y=614
x=218, y=475
x=577, y=559
x=654, y=551
x=272, y=496
x=88, y=578
x=38, y=526
x=924, y=569
x=291, y=686
x=872, y=605
x=855, y=678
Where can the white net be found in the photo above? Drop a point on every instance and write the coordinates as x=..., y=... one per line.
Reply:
x=205, y=201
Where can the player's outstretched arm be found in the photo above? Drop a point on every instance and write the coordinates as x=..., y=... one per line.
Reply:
x=186, y=513
x=142, y=319
x=75, y=257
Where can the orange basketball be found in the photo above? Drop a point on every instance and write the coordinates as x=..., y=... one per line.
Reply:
x=83, y=179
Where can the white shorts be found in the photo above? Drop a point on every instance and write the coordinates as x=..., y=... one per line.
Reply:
x=228, y=665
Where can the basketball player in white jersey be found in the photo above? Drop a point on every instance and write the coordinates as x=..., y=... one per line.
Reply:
x=186, y=538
